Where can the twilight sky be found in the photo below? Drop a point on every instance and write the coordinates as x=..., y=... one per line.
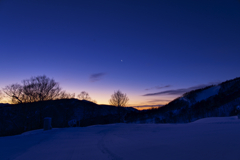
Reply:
x=153, y=51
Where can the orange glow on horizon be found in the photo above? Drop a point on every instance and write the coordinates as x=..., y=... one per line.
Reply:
x=146, y=108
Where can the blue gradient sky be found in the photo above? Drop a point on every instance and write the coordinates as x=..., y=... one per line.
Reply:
x=137, y=46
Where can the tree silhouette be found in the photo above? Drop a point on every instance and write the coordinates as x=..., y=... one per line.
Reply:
x=15, y=92
x=40, y=88
x=84, y=96
x=65, y=95
x=118, y=99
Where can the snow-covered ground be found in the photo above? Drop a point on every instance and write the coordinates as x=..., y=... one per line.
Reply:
x=207, y=93
x=205, y=139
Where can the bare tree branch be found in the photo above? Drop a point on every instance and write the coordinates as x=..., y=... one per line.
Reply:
x=15, y=91
x=118, y=99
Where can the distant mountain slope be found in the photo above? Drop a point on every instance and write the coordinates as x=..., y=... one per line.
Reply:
x=214, y=100
x=15, y=119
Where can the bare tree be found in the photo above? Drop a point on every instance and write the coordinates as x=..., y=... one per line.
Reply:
x=40, y=88
x=84, y=96
x=118, y=99
x=15, y=92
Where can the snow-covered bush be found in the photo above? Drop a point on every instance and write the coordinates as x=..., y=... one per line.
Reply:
x=72, y=122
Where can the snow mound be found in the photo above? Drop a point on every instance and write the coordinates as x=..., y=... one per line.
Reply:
x=219, y=120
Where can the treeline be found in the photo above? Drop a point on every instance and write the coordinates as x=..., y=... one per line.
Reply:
x=42, y=88
x=39, y=88
x=19, y=118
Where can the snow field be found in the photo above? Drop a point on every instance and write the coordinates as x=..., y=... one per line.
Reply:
x=205, y=139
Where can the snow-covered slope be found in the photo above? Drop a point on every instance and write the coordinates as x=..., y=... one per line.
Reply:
x=206, y=139
x=200, y=95
x=203, y=95
x=212, y=101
